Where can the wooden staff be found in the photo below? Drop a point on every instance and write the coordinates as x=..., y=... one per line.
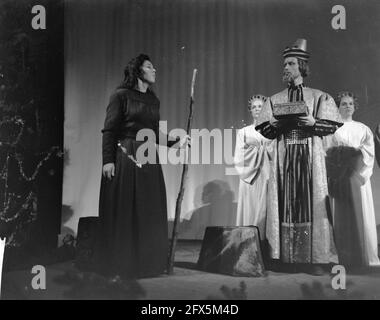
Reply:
x=182, y=185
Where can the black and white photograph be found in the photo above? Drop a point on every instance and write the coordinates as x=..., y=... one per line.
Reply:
x=207, y=151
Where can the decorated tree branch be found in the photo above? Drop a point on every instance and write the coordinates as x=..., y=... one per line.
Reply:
x=30, y=141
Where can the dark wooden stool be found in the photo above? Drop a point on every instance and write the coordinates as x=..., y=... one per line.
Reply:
x=232, y=250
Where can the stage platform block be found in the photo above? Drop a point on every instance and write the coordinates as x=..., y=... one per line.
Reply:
x=233, y=251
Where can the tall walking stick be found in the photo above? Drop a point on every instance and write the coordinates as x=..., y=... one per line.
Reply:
x=182, y=185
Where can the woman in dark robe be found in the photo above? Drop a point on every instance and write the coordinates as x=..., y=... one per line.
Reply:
x=133, y=235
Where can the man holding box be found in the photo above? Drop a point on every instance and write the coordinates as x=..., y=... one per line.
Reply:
x=299, y=227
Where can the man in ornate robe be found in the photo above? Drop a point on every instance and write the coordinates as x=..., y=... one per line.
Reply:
x=299, y=226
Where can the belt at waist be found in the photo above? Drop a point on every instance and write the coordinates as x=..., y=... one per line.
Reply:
x=128, y=136
x=131, y=134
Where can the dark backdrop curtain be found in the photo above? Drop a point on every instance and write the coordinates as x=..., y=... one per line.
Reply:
x=237, y=47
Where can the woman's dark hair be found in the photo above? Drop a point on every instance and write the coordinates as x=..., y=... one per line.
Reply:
x=343, y=94
x=303, y=67
x=133, y=70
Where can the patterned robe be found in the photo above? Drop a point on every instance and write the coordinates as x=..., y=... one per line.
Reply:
x=299, y=225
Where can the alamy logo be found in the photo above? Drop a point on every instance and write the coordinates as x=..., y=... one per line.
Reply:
x=207, y=147
x=39, y=280
x=338, y=22
x=338, y=282
x=39, y=20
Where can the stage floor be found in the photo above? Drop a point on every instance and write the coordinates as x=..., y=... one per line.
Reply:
x=64, y=281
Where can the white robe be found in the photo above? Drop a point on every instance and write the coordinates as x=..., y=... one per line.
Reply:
x=252, y=164
x=359, y=136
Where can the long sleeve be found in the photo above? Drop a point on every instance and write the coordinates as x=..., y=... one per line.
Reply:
x=162, y=138
x=377, y=144
x=249, y=159
x=239, y=152
x=166, y=140
x=367, y=148
x=265, y=128
x=325, y=127
x=172, y=143
x=326, y=117
x=111, y=128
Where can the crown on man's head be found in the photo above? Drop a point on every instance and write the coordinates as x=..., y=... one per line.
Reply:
x=298, y=50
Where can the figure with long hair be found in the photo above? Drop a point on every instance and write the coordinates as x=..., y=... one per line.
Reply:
x=133, y=236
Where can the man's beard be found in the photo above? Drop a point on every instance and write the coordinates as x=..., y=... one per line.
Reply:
x=287, y=77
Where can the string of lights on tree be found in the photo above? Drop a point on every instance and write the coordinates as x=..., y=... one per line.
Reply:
x=27, y=205
x=29, y=116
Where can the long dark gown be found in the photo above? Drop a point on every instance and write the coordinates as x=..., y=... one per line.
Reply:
x=133, y=236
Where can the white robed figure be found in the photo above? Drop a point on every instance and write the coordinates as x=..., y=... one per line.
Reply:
x=252, y=164
x=350, y=162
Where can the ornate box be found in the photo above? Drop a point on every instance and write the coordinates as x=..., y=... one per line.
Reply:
x=290, y=110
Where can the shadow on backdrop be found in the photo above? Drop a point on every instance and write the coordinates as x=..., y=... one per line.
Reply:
x=67, y=213
x=216, y=207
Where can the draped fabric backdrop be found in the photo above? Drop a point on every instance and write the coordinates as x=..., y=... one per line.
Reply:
x=237, y=48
